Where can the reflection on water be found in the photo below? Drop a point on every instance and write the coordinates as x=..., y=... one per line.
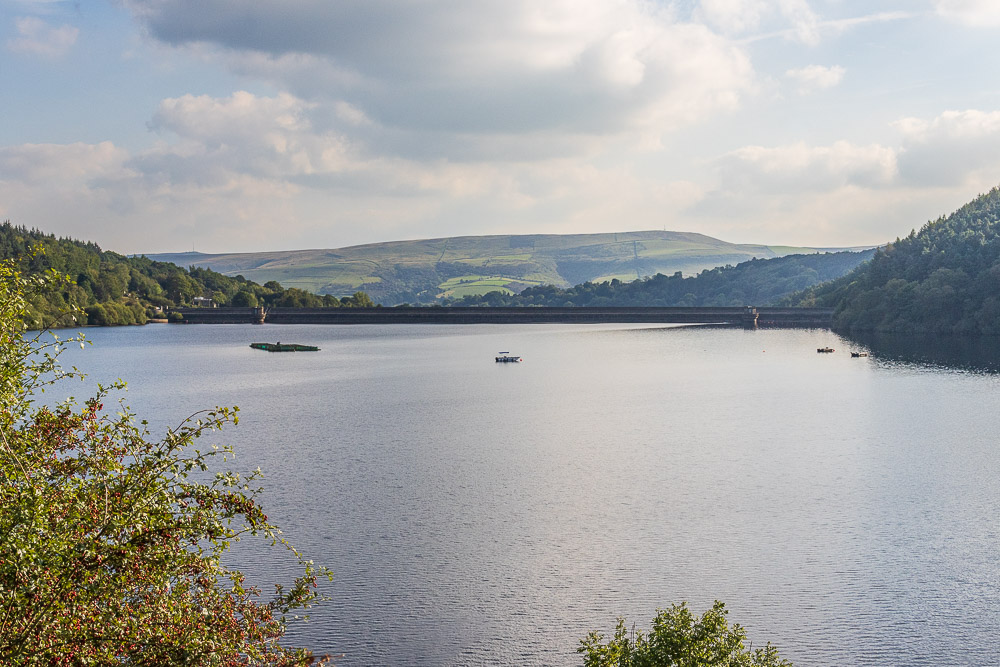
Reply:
x=975, y=353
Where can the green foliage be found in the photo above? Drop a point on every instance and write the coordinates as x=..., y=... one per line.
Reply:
x=245, y=298
x=109, y=289
x=944, y=279
x=679, y=639
x=358, y=300
x=111, y=542
x=758, y=282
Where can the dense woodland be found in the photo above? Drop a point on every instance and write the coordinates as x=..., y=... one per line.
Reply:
x=758, y=282
x=106, y=288
x=943, y=279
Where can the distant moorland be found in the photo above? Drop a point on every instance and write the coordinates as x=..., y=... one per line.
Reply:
x=428, y=271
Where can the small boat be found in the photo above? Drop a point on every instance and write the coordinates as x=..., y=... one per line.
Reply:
x=859, y=354
x=507, y=358
x=284, y=347
x=824, y=349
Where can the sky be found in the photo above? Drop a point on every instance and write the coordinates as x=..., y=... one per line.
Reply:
x=251, y=125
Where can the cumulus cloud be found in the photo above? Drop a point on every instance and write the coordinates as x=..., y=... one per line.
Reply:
x=816, y=77
x=74, y=164
x=961, y=125
x=797, y=191
x=954, y=148
x=856, y=191
x=977, y=13
x=271, y=136
x=103, y=189
x=474, y=71
x=948, y=149
x=39, y=38
x=799, y=167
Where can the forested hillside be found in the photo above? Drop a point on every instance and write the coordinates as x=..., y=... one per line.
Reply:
x=758, y=282
x=109, y=289
x=943, y=279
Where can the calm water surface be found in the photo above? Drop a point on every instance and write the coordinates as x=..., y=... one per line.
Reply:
x=479, y=513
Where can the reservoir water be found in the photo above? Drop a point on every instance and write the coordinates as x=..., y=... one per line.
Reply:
x=844, y=509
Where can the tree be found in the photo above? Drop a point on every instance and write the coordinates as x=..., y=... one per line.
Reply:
x=358, y=300
x=245, y=298
x=110, y=541
x=180, y=287
x=679, y=639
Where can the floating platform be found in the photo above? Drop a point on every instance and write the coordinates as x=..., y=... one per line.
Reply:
x=284, y=347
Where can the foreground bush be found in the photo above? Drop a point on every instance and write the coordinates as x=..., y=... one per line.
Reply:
x=679, y=639
x=110, y=541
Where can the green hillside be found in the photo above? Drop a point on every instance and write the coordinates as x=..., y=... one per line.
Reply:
x=105, y=288
x=758, y=282
x=943, y=279
x=425, y=271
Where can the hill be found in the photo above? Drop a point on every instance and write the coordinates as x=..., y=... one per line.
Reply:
x=758, y=282
x=426, y=271
x=943, y=279
x=109, y=289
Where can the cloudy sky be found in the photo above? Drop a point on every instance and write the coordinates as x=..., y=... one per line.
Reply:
x=244, y=125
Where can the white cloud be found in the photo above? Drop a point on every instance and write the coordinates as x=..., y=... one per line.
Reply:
x=475, y=71
x=804, y=22
x=39, y=38
x=73, y=164
x=96, y=191
x=857, y=193
x=816, y=77
x=803, y=167
x=969, y=124
x=951, y=148
x=954, y=148
x=977, y=13
x=246, y=133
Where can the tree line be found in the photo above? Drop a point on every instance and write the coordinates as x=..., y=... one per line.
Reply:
x=107, y=288
x=758, y=282
x=943, y=279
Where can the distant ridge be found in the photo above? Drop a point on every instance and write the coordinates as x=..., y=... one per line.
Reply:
x=426, y=270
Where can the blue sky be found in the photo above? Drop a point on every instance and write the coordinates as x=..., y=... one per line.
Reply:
x=237, y=125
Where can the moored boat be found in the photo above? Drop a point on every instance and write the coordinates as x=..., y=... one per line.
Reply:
x=824, y=349
x=284, y=347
